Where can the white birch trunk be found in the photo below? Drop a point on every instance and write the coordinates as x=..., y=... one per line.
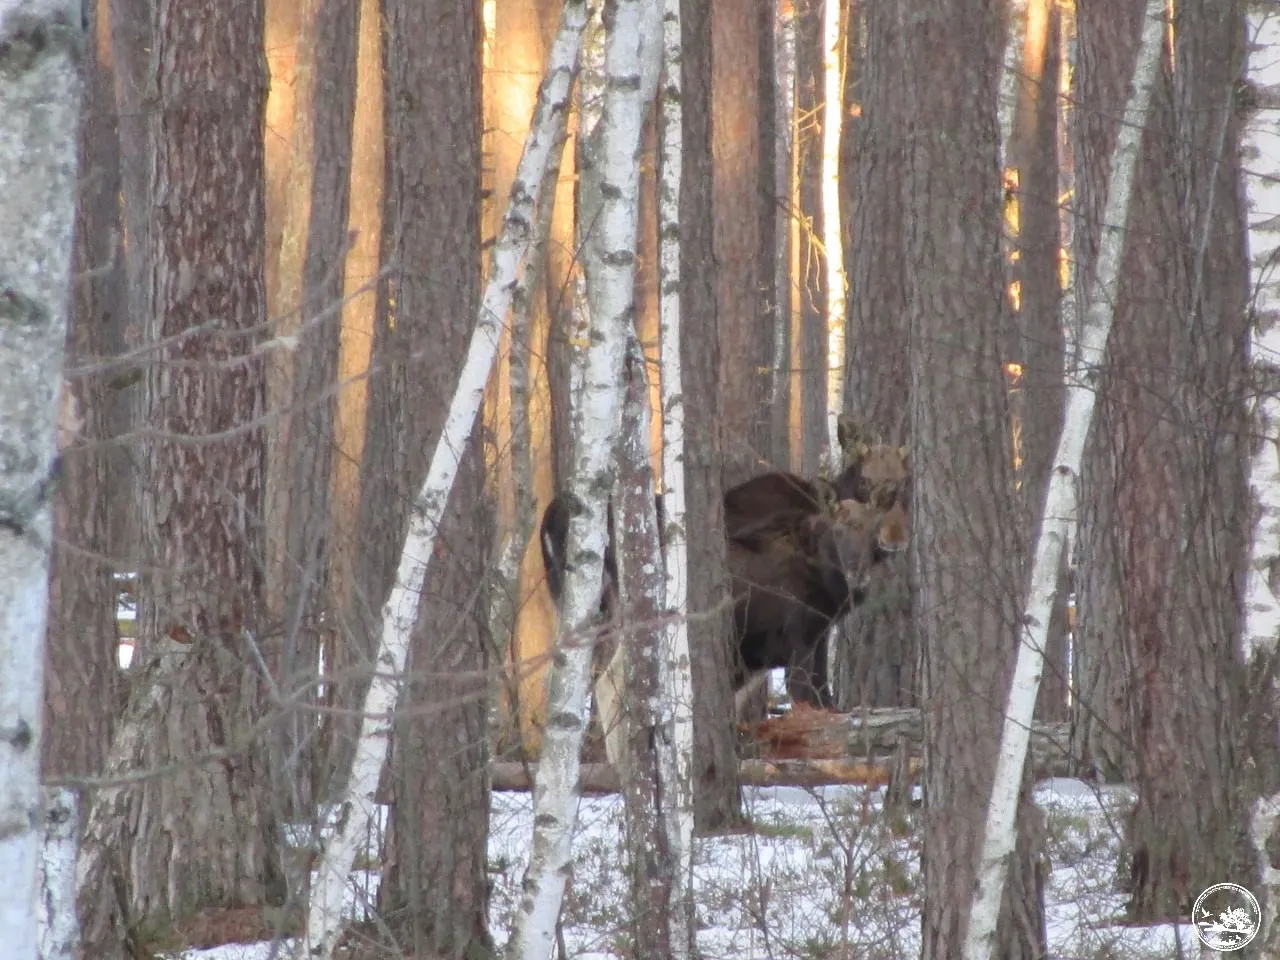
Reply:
x=1261, y=155
x=610, y=192
x=1000, y=831
x=832, y=238
x=59, y=925
x=675, y=756
x=39, y=114
x=324, y=921
x=504, y=592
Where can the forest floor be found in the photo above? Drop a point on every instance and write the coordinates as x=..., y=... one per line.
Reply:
x=824, y=873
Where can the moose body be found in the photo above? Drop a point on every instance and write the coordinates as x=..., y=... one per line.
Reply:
x=795, y=553
x=798, y=551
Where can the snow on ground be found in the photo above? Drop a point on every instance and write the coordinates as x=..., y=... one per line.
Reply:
x=824, y=872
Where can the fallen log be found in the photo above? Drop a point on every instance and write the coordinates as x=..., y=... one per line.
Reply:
x=807, y=747
x=876, y=735
x=600, y=778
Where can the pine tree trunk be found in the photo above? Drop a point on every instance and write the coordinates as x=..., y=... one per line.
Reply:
x=203, y=836
x=717, y=800
x=876, y=667
x=433, y=894
x=82, y=674
x=960, y=460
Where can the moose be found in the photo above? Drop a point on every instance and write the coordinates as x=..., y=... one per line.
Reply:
x=798, y=551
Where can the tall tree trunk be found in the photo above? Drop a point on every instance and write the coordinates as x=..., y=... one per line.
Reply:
x=745, y=341
x=81, y=671
x=434, y=892
x=717, y=800
x=809, y=329
x=1178, y=492
x=205, y=835
x=347, y=649
x=960, y=462
x=877, y=666
x=1031, y=172
x=310, y=282
x=1259, y=639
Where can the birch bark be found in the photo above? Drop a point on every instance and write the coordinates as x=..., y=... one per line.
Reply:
x=1261, y=634
x=610, y=197
x=675, y=678
x=324, y=924
x=39, y=114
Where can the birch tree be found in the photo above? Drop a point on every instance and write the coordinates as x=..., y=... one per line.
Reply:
x=610, y=202
x=324, y=924
x=675, y=680
x=39, y=113
x=832, y=227
x=1261, y=632
x=641, y=585
x=999, y=834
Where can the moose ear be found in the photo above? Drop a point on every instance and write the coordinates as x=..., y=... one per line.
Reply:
x=902, y=452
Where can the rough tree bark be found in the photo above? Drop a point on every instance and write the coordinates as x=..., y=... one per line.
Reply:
x=1166, y=473
x=641, y=583
x=877, y=666
x=203, y=835
x=81, y=671
x=433, y=894
x=40, y=107
x=1059, y=508
x=960, y=461
x=745, y=343
x=717, y=795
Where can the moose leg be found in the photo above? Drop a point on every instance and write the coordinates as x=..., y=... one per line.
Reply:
x=807, y=680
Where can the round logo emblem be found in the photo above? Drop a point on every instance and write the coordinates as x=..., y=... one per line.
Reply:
x=1226, y=917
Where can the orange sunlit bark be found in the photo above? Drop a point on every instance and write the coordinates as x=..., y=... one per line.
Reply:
x=293, y=176
x=518, y=35
x=360, y=294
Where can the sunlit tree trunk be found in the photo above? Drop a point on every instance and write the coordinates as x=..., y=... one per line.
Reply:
x=745, y=343
x=1032, y=221
x=521, y=474
x=809, y=328
x=960, y=462
x=309, y=293
x=346, y=647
